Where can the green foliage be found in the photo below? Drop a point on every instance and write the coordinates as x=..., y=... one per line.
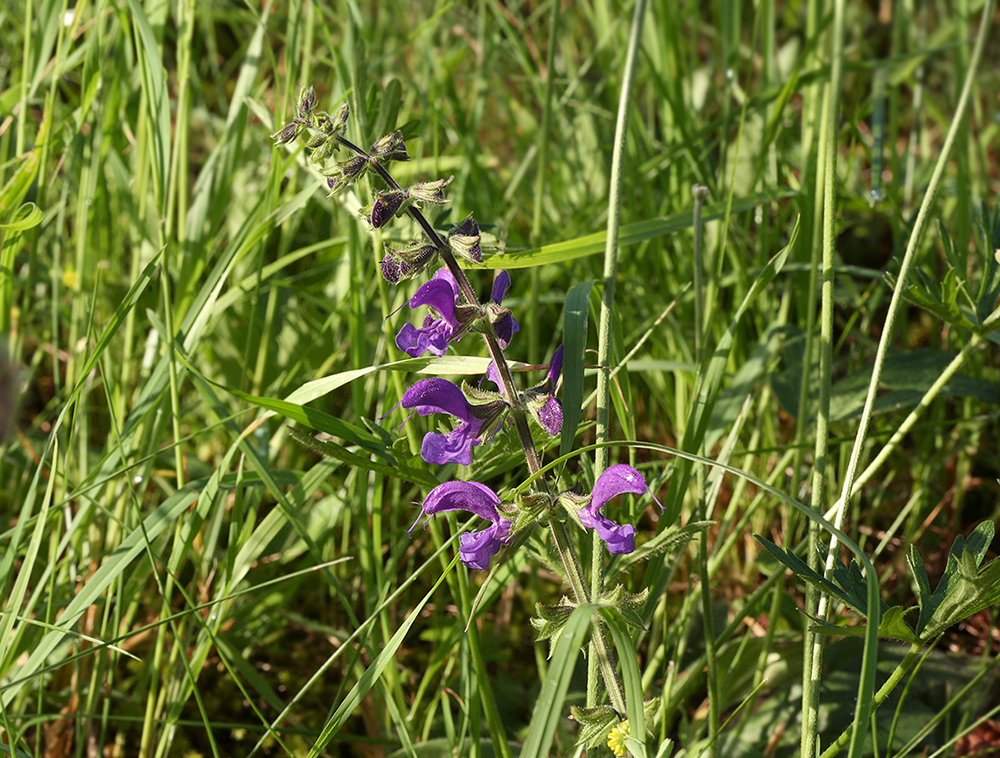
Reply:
x=206, y=548
x=965, y=588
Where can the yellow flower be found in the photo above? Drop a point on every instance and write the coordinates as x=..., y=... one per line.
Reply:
x=617, y=737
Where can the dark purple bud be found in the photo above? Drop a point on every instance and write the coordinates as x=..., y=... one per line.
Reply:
x=392, y=269
x=286, y=134
x=385, y=207
x=307, y=101
x=464, y=240
x=503, y=320
x=411, y=260
x=555, y=368
x=550, y=416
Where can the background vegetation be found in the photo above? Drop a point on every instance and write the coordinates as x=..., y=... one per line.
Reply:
x=181, y=577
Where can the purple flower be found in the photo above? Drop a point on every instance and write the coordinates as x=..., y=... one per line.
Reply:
x=438, y=395
x=440, y=294
x=453, y=320
x=616, y=480
x=475, y=548
x=503, y=321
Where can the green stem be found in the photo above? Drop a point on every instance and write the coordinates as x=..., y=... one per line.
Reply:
x=823, y=276
x=893, y=310
x=700, y=193
x=911, y=657
x=598, y=643
x=603, y=433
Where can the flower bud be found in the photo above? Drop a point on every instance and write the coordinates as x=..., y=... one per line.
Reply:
x=403, y=263
x=464, y=240
x=286, y=134
x=430, y=192
x=307, y=101
x=385, y=207
x=390, y=148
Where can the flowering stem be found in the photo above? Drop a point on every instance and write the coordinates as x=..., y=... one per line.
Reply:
x=599, y=644
x=469, y=295
x=601, y=652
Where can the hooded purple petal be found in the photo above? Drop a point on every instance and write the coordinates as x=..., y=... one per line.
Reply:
x=440, y=294
x=463, y=496
x=617, y=480
x=437, y=395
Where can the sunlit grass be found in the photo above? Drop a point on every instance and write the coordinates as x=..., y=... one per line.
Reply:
x=181, y=576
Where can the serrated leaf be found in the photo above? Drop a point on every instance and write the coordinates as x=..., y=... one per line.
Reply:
x=965, y=589
x=668, y=539
x=923, y=586
x=801, y=569
x=892, y=626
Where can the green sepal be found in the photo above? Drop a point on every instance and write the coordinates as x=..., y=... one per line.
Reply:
x=551, y=619
x=628, y=605
x=596, y=723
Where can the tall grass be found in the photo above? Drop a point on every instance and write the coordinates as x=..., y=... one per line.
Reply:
x=181, y=576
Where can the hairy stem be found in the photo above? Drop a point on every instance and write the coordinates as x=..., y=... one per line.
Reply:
x=469, y=295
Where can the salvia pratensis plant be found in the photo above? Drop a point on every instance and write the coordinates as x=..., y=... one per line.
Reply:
x=479, y=411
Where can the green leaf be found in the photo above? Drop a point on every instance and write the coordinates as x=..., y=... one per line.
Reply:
x=965, y=589
x=342, y=454
x=27, y=216
x=575, y=313
x=371, y=676
x=712, y=378
x=592, y=244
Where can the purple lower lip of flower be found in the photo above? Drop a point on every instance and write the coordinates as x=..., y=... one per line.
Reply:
x=475, y=548
x=438, y=395
x=616, y=480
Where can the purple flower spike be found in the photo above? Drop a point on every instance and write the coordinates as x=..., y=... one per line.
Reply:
x=475, y=548
x=441, y=294
x=438, y=395
x=616, y=480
